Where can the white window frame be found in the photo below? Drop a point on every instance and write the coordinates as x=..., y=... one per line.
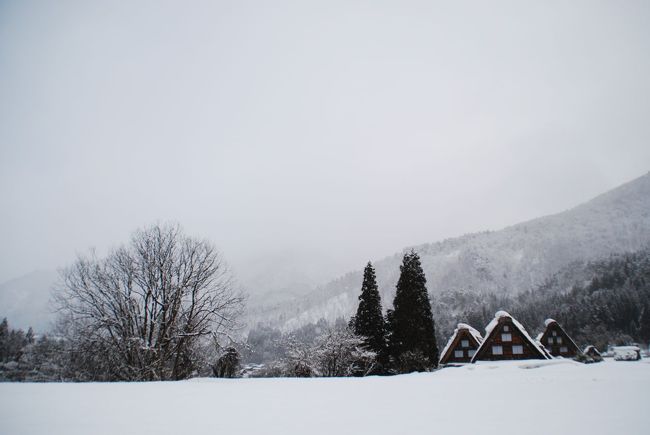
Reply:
x=506, y=328
x=564, y=349
x=471, y=353
x=464, y=343
x=506, y=337
x=550, y=340
x=518, y=347
x=497, y=350
x=558, y=340
x=456, y=353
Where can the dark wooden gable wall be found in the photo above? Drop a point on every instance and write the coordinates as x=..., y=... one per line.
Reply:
x=507, y=342
x=557, y=341
x=458, y=346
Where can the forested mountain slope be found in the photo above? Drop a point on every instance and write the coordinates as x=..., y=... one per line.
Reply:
x=599, y=302
x=513, y=260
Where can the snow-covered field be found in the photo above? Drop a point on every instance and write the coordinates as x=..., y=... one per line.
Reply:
x=549, y=397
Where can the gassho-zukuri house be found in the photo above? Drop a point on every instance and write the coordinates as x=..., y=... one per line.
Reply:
x=507, y=339
x=557, y=341
x=462, y=345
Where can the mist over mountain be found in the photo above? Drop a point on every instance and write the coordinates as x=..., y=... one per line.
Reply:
x=25, y=301
x=288, y=271
x=513, y=260
x=276, y=276
x=284, y=289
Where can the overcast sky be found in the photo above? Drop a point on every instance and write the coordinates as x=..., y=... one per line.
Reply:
x=346, y=129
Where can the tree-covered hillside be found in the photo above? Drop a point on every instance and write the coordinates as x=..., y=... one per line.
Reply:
x=601, y=302
x=510, y=261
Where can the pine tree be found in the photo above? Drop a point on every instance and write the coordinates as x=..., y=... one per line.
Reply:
x=228, y=365
x=412, y=337
x=4, y=340
x=30, y=336
x=369, y=321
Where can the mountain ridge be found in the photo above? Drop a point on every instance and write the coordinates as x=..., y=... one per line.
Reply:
x=517, y=258
x=25, y=301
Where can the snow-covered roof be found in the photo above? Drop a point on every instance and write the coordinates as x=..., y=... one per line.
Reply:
x=625, y=348
x=490, y=327
x=549, y=321
x=477, y=335
x=495, y=321
x=461, y=326
x=591, y=347
x=541, y=346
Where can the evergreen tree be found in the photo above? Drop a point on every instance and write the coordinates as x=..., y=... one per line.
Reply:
x=4, y=340
x=369, y=321
x=228, y=365
x=30, y=336
x=412, y=337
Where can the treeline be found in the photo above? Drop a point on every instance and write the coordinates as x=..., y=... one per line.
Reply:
x=25, y=357
x=131, y=316
x=612, y=307
x=605, y=302
x=161, y=307
x=402, y=341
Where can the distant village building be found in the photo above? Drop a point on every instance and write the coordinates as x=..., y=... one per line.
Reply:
x=506, y=339
x=592, y=353
x=462, y=345
x=557, y=341
x=626, y=353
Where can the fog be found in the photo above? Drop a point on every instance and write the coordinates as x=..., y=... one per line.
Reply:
x=313, y=134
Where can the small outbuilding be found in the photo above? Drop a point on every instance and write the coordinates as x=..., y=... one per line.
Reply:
x=507, y=339
x=592, y=354
x=462, y=345
x=626, y=353
x=557, y=341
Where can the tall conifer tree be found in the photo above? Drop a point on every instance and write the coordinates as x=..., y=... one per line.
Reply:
x=369, y=321
x=412, y=336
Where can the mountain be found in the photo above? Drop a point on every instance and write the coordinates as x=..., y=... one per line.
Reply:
x=515, y=259
x=510, y=261
x=286, y=272
x=25, y=301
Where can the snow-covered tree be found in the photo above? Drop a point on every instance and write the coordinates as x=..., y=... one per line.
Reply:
x=300, y=361
x=340, y=352
x=228, y=364
x=369, y=320
x=4, y=340
x=412, y=337
x=143, y=312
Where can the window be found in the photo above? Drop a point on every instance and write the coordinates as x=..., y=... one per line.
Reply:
x=550, y=340
x=564, y=349
x=506, y=328
x=458, y=353
x=517, y=349
x=554, y=333
x=559, y=340
x=464, y=343
x=506, y=337
x=470, y=353
x=497, y=350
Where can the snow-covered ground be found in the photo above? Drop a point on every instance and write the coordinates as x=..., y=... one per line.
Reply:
x=546, y=397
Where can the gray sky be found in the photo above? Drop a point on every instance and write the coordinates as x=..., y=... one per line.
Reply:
x=348, y=129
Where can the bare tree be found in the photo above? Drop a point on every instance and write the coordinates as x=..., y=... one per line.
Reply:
x=143, y=312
